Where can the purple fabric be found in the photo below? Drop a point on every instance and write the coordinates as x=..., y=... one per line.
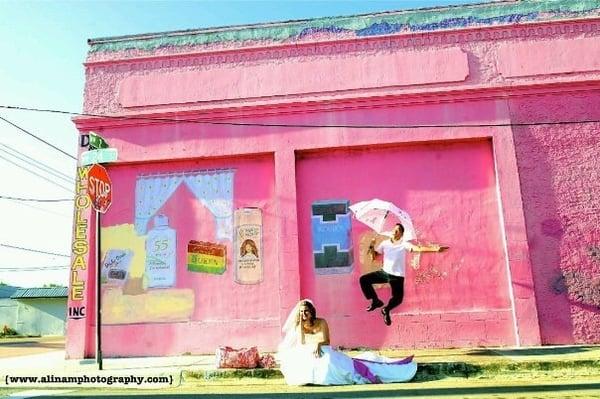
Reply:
x=363, y=370
x=406, y=360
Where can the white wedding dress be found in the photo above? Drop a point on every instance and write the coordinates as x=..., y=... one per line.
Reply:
x=300, y=366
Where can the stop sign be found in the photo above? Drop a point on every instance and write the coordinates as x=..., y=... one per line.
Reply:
x=99, y=188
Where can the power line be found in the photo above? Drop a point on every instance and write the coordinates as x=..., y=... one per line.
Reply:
x=35, y=199
x=33, y=250
x=38, y=164
x=37, y=174
x=200, y=121
x=37, y=208
x=37, y=138
x=32, y=268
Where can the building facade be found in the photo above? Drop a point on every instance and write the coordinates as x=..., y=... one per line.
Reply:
x=34, y=311
x=240, y=149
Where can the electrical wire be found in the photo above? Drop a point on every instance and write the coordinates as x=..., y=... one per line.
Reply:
x=37, y=208
x=38, y=175
x=35, y=199
x=34, y=162
x=36, y=165
x=32, y=268
x=200, y=121
x=37, y=138
x=33, y=250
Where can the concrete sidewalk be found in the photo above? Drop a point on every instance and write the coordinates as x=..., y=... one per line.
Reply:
x=433, y=364
x=21, y=346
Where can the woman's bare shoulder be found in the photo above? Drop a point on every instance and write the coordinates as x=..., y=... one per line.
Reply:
x=321, y=322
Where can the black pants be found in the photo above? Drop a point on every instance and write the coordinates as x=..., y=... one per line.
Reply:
x=380, y=277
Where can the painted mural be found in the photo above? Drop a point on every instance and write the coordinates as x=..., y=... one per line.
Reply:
x=331, y=236
x=206, y=257
x=213, y=188
x=367, y=262
x=127, y=294
x=248, y=227
x=161, y=257
x=143, y=281
x=115, y=266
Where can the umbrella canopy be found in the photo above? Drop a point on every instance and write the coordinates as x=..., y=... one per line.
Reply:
x=382, y=216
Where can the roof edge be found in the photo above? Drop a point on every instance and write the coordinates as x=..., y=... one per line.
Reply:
x=494, y=13
x=230, y=28
x=33, y=293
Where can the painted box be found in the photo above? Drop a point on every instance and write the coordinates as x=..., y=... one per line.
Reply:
x=331, y=236
x=206, y=257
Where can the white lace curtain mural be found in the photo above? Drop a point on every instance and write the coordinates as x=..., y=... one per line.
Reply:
x=151, y=193
x=214, y=189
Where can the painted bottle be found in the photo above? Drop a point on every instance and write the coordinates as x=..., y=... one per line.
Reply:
x=161, y=252
x=248, y=248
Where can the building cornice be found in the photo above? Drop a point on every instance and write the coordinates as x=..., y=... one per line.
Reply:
x=302, y=106
x=335, y=47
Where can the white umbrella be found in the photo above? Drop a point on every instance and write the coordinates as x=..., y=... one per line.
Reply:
x=382, y=216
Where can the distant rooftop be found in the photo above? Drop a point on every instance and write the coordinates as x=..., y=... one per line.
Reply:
x=420, y=20
x=54, y=292
x=7, y=290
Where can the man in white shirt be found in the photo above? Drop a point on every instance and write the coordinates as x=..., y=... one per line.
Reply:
x=393, y=271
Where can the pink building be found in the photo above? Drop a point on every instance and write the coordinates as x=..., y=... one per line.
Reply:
x=240, y=149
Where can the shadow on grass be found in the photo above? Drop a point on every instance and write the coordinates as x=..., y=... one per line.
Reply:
x=386, y=393
x=438, y=371
x=531, y=351
x=425, y=372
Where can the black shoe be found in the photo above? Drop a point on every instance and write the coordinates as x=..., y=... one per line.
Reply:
x=376, y=303
x=386, y=317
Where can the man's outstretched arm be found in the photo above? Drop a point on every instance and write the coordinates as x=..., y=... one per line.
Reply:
x=427, y=248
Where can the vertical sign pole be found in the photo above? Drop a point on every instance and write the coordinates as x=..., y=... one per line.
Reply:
x=99, y=191
x=98, y=295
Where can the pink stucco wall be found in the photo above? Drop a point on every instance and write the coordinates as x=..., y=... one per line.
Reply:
x=559, y=171
x=450, y=191
x=516, y=204
x=450, y=186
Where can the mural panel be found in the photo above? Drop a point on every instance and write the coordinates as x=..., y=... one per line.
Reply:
x=115, y=266
x=331, y=236
x=248, y=227
x=161, y=255
x=213, y=188
x=127, y=295
x=471, y=277
x=143, y=282
x=206, y=257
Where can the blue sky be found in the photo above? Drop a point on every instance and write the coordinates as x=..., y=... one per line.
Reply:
x=43, y=46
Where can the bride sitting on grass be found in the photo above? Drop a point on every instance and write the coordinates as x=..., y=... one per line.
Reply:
x=306, y=357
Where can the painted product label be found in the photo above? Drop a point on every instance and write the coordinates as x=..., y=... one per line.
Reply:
x=115, y=266
x=206, y=257
x=161, y=246
x=248, y=228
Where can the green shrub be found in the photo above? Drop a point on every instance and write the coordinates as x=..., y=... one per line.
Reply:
x=7, y=331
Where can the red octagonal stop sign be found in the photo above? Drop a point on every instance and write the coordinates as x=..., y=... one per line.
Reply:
x=99, y=188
